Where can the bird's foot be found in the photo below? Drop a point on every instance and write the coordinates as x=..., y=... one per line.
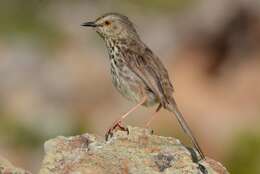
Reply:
x=116, y=126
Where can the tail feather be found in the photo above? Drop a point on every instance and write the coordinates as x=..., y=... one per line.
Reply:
x=172, y=107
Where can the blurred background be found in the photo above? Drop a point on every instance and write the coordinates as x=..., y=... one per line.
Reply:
x=55, y=76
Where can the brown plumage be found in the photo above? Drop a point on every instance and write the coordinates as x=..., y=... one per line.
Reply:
x=137, y=73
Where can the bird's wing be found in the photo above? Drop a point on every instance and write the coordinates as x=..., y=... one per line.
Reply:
x=148, y=67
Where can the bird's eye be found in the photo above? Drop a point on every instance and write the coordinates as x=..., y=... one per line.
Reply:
x=107, y=23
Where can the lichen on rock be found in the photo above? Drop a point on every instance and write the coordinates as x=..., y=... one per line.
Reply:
x=139, y=152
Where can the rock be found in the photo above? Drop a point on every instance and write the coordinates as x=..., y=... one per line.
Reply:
x=138, y=152
x=7, y=168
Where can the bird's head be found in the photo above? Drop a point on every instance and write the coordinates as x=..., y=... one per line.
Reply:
x=113, y=25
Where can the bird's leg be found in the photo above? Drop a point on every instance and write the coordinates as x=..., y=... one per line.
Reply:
x=147, y=125
x=118, y=123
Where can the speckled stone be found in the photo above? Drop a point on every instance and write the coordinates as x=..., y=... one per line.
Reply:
x=7, y=168
x=138, y=152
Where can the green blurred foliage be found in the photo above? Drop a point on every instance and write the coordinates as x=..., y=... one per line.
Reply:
x=23, y=136
x=22, y=18
x=19, y=135
x=245, y=154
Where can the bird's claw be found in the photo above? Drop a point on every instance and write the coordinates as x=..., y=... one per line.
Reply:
x=116, y=126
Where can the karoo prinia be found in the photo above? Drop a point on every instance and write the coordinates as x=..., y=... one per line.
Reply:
x=137, y=73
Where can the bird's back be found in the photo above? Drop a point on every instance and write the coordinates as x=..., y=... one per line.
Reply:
x=147, y=67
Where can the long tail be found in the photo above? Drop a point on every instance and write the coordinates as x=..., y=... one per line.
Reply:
x=172, y=107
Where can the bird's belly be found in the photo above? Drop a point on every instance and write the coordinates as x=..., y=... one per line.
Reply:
x=131, y=86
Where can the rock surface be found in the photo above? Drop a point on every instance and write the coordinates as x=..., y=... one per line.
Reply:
x=138, y=152
x=7, y=168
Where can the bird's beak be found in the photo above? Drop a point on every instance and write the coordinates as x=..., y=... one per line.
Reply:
x=89, y=24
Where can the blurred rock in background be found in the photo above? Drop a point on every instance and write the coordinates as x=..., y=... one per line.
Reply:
x=55, y=77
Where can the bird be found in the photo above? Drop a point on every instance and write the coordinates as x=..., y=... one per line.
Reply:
x=137, y=73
